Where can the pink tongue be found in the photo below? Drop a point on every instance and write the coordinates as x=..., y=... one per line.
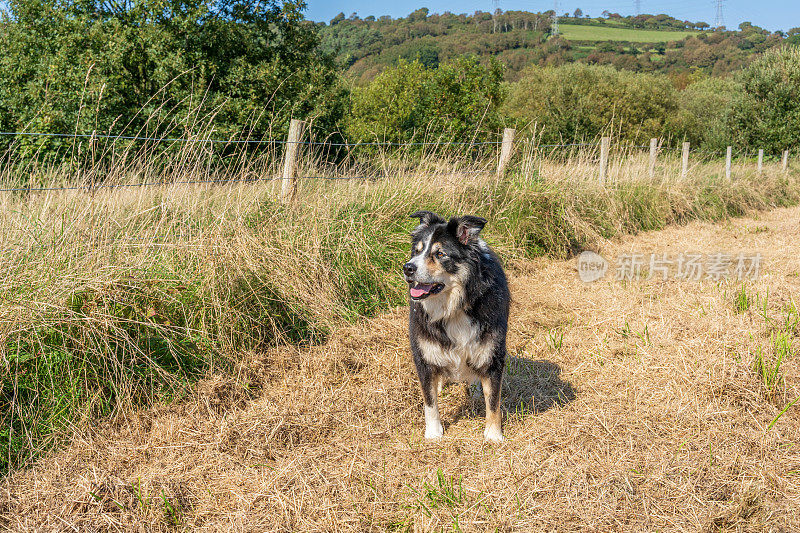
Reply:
x=416, y=293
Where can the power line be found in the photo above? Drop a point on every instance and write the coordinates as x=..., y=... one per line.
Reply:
x=638, y=7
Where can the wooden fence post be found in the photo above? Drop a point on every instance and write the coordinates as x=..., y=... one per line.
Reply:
x=505, y=151
x=289, y=186
x=605, y=145
x=760, y=169
x=728, y=157
x=685, y=160
x=785, y=164
x=653, y=155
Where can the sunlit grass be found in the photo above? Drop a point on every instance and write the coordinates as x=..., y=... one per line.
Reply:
x=122, y=297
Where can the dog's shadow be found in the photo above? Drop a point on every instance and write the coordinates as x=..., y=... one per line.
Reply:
x=529, y=387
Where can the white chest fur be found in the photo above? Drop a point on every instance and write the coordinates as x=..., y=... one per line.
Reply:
x=465, y=352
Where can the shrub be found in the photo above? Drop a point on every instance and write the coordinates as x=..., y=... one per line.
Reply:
x=703, y=113
x=766, y=112
x=579, y=101
x=410, y=102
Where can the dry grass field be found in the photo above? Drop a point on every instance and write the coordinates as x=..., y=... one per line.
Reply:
x=629, y=406
x=204, y=357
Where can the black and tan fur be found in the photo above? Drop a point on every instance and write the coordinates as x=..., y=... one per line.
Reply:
x=459, y=303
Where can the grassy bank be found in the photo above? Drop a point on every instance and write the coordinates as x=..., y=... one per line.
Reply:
x=127, y=296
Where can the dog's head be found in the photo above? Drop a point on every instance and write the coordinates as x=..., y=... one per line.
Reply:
x=440, y=253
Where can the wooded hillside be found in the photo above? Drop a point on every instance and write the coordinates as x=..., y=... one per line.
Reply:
x=644, y=43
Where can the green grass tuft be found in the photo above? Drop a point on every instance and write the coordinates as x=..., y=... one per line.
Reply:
x=741, y=301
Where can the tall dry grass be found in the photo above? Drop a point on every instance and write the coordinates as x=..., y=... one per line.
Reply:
x=124, y=296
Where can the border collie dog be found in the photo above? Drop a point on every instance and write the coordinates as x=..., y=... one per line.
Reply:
x=458, y=319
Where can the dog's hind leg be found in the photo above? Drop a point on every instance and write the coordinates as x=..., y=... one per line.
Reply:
x=430, y=396
x=491, y=394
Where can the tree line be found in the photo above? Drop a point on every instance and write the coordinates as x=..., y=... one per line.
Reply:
x=239, y=69
x=517, y=39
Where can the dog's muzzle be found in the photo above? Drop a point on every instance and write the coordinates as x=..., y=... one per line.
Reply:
x=417, y=290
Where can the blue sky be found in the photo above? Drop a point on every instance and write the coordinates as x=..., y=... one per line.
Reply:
x=770, y=14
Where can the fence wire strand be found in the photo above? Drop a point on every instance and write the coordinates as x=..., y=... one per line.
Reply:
x=242, y=141
x=93, y=187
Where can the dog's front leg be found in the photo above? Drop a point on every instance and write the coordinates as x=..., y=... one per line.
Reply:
x=430, y=395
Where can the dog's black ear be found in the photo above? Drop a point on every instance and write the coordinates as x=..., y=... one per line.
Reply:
x=426, y=218
x=466, y=228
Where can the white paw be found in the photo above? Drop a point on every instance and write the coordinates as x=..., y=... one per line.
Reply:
x=434, y=431
x=493, y=435
x=433, y=424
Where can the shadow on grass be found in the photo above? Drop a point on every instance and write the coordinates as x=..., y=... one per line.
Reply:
x=534, y=386
x=529, y=387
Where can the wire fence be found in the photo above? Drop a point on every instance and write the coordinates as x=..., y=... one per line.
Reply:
x=345, y=144
x=92, y=187
x=247, y=141
x=596, y=151
x=319, y=143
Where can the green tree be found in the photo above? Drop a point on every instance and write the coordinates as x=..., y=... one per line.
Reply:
x=703, y=112
x=793, y=37
x=147, y=65
x=766, y=112
x=576, y=102
x=418, y=15
x=410, y=102
x=425, y=52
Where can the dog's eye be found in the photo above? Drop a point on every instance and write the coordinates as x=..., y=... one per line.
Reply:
x=440, y=254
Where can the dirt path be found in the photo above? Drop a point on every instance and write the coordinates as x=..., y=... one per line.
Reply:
x=629, y=406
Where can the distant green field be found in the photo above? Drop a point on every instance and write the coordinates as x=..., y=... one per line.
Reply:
x=575, y=32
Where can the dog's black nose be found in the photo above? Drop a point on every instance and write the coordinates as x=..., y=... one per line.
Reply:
x=409, y=269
